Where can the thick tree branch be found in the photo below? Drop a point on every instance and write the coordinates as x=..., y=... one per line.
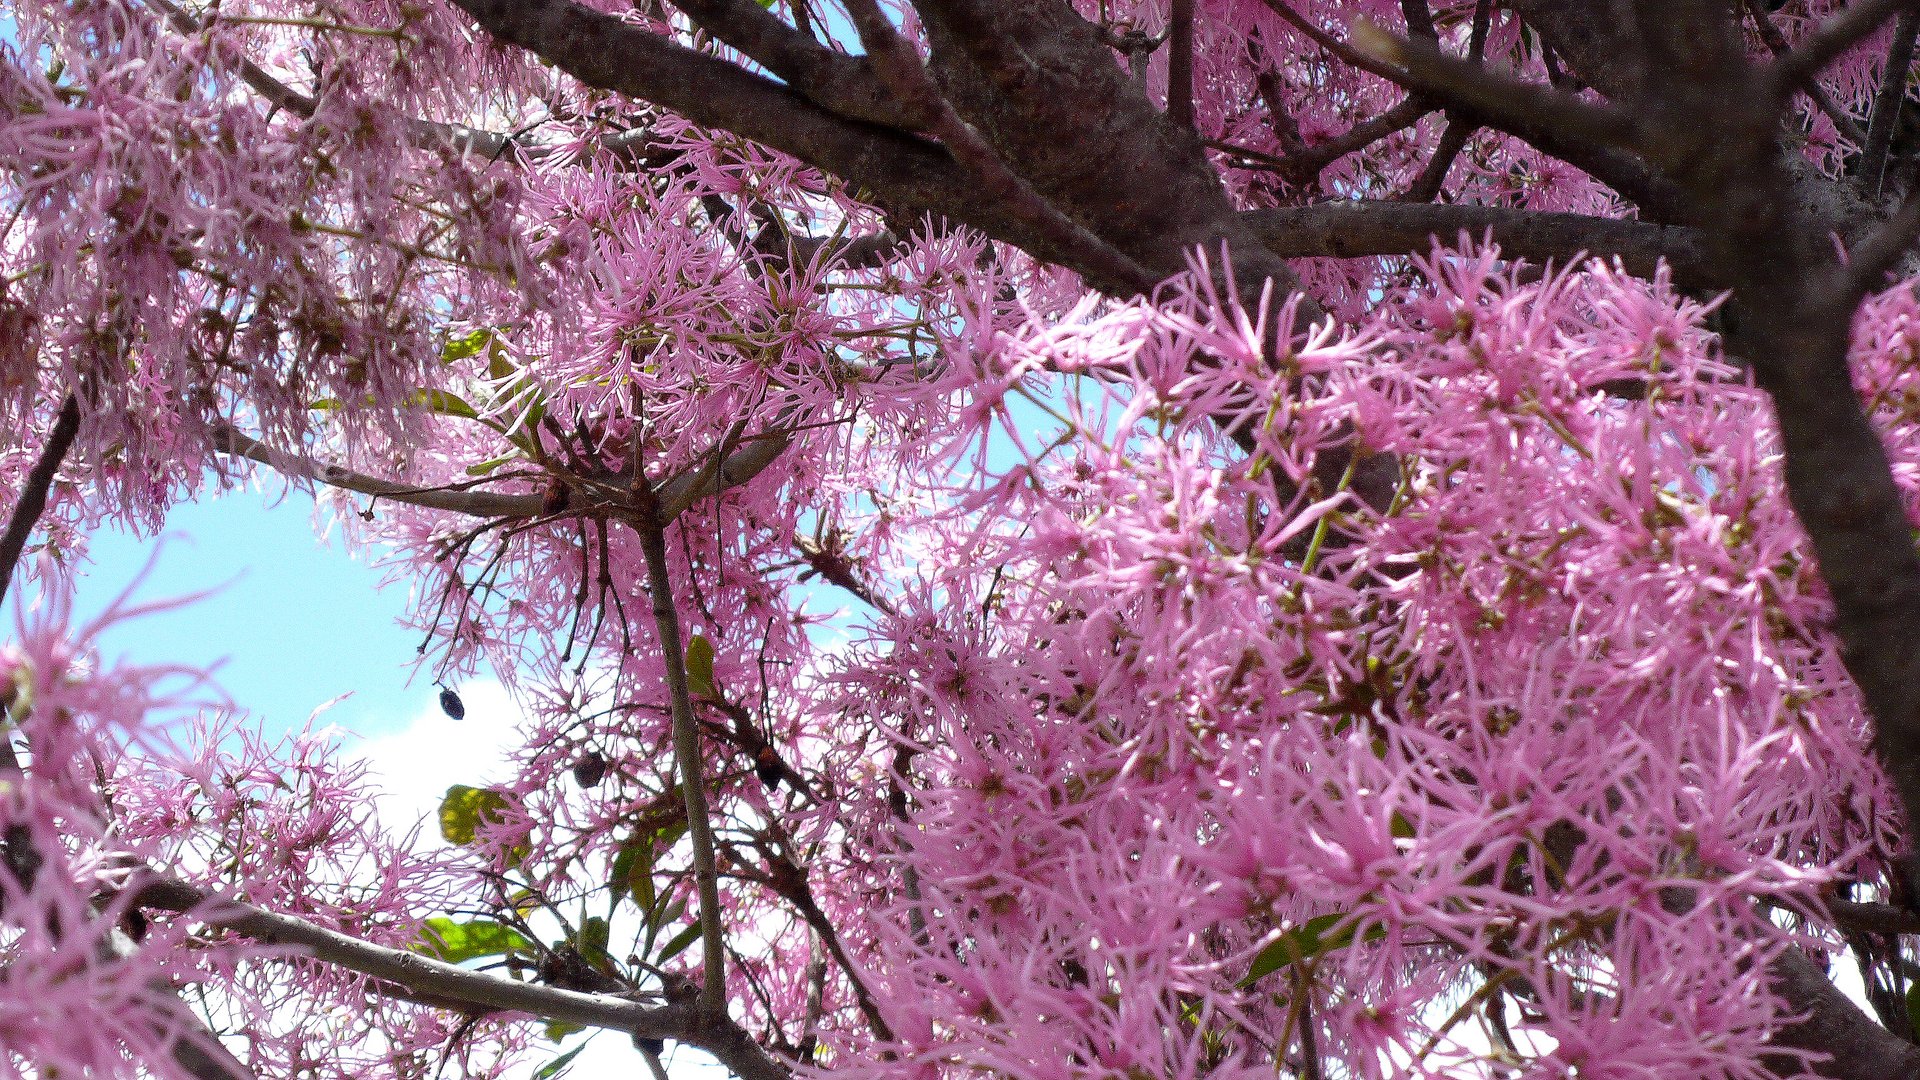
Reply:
x=32, y=499
x=1498, y=100
x=835, y=81
x=898, y=170
x=1349, y=230
x=1873, y=918
x=900, y=66
x=1829, y=1025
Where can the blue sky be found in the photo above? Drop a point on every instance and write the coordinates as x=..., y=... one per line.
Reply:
x=294, y=622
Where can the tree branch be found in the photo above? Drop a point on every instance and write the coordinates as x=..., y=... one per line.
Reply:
x=1351, y=230
x=1880, y=252
x=485, y=504
x=1830, y=1026
x=1777, y=44
x=32, y=500
x=1498, y=100
x=1180, y=62
x=456, y=986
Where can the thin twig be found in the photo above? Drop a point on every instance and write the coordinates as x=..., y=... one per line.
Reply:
x=1180, y=63
x=1887, y=102
x=1829, y=40
x=686, y=752
x=1844, y=123
x=33, y=491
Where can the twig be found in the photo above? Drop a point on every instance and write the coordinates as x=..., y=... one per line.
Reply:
x=1180, y=63
x=1887, y=102
x=686, y=752
x=1307, y=162
x=1340, y=49
x=1828, y=40
x=33, y=491
x=1426, y=187
x=1777, y=44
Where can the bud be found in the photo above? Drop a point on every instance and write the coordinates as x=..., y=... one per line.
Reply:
x=590, y=769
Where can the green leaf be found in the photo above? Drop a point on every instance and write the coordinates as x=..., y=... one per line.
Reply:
x=560, y=1029
x=593, y=940
x=558, y=1065
x=678, y=944
x=444, y=404
x=466, y=345
x=464, y=809
x=700, y=668
x=490, y=465
x=670, y=908
x=632, y=864
x=457, y=942
x=1310, y=939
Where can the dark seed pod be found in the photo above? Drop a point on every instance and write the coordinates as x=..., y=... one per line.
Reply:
x=451, y=704
x=766, y=766
x=555, y=499
x=590, y=769
x=656, y=1047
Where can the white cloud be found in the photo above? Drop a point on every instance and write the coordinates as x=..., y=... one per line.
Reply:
x=417, y=763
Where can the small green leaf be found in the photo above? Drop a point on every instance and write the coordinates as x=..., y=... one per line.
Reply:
x=558, y=1065
x=325, y=404
x=457, y=942
x=560, y=1029
x=678, y=944
x=700, y=667
x=444, y=404
x=632, y=855
x=593, y=940
x=670, y=908
x=490, y=465
x=465, y=809
x=466, y=345
x=1310, y=939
